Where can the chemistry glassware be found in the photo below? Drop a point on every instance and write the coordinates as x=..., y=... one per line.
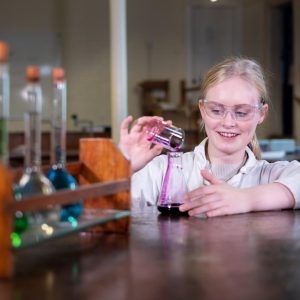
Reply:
x=4, y=101
x=174, y=186
x=61, y=179
x=21, y=220
x=58, y=174
x=33, y=181
x=169, y=136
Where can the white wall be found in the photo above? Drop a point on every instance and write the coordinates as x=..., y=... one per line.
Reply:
x=85, y=30
x=29, y=27
x=157, y=46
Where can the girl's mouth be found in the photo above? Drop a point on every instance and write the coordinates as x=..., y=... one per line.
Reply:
x=228, y=134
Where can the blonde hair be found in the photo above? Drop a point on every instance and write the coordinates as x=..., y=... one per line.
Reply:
x=248, y=70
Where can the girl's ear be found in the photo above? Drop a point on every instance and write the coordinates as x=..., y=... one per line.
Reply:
x=263, y=113
x=200, y=105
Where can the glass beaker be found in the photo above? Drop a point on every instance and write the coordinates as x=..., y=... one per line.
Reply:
x=169, y=136
x=174, y=186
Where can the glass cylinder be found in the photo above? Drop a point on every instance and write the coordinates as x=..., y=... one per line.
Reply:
x=169, y=136
x=4, y=101
x=58, y=117
x=174, y=186
x=58, y=174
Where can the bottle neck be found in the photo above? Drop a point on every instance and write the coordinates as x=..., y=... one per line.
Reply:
x=4, y=91
x=32, y=121
x=175, y=159
x=4, y=112
x=59, y=116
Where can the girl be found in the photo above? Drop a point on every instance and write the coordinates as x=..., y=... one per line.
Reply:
x=224, y=173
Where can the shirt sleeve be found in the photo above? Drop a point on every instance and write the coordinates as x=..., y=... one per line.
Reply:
x=288, y=174
x=146, y=183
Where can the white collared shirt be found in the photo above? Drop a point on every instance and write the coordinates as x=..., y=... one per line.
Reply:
x=147, y=182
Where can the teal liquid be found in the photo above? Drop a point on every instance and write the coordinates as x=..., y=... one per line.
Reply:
x=61, y=179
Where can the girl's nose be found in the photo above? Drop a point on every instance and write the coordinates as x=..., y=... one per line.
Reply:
x=229, y=118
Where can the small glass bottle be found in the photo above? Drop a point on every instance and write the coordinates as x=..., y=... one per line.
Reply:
x=58, y=174
x=4, y=101
x=169, y=136
x=174, y=186
x=33, y=181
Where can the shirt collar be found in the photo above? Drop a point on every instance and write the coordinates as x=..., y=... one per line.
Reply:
x=200, y=154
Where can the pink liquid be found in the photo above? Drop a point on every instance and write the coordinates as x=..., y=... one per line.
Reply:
x=169, y=137
x=171, y=209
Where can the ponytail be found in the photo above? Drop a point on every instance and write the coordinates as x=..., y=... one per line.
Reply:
x=254, y=146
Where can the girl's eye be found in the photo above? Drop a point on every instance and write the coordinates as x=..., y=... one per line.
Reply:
x=241, y=113
x=216, y=110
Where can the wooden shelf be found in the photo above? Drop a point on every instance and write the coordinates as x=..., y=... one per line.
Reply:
x=17, y=140
x=104, y=185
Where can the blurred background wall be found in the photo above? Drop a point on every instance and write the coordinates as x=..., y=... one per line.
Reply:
x=167, y=40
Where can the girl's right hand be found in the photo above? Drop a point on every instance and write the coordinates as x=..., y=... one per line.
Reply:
x=134, y=144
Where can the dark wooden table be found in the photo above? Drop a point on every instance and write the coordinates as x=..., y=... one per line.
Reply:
x=250, y=256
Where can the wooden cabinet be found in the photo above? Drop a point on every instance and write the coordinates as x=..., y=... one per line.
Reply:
x=153, y=94
x=155, y=101
x=17, y=140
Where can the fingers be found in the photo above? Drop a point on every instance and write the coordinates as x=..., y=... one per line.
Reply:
x=156, y=149
x=141, y=123
x=209, y=208
x=169, y=122
x=199, y=193
x=191, y=203
x=125, y=125
x=221, y=211
x=148, y=155
x=146, y=119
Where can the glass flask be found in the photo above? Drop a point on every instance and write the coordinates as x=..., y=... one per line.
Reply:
x=33, y=181
x=58, y=174
x=21, y=220
x=174, y=186
x=169, y=136
x=4, y=101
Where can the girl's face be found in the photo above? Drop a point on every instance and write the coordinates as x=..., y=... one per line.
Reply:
x=227, y=128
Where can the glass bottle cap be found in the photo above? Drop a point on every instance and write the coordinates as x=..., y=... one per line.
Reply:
x=58, y=74
x=33, y=73
x=4, y=51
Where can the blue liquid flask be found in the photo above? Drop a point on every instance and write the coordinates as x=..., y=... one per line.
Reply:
x=58, y=174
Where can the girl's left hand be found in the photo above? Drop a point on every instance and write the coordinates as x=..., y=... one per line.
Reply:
x=216, y=199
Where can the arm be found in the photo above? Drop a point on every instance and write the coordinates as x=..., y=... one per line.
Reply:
x=269, y=197
x=219, y=198
x=134, y=144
